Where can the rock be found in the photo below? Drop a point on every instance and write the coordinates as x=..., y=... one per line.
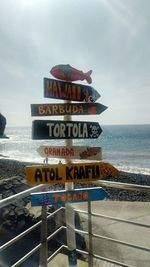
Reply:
x=14, y=216
x=2, y=126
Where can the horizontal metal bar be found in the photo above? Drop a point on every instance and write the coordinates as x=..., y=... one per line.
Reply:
x=26, y=256
x=87, y=253
x=54, y=254
x=133, y=187
x=81, y=231
x=122, y=242
x=65, y=247
x=16, y=238
x=121, y=220
x=56, y=231
x=78, y=250
x=49, y=213
x=9, y=200
x=114, y=240
x=113, y=218
x=97, y=256
x=35, y=249
x=55, y=212
x=112, y=261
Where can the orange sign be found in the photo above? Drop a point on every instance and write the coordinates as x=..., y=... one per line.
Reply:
x=62, y=173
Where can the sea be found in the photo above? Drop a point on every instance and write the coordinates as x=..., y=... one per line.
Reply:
x=127, y=147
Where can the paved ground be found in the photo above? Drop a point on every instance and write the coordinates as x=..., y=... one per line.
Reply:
x=135, y=211
x=62, y=261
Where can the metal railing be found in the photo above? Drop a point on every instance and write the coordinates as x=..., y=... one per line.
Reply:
x=11, y=199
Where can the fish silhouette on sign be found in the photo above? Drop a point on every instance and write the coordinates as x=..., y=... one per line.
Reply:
x=70, y=74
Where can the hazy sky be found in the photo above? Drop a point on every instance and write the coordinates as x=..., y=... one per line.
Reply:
x=111, y=37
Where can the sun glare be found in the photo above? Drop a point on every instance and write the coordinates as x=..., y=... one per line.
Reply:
x=121, y=12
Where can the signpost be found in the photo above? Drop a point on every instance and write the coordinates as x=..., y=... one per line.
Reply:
x=70, y=172
x=70, y=152
x=69, y=91
x=69, y=212
x=52, y=129
x=67, y=109
x=62, y=197
x=64, y=173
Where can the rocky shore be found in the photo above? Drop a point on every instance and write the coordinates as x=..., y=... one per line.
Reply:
x=19, y=215
x=127, y=195
x=13, y=181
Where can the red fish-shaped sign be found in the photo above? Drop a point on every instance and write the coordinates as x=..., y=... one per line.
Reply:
x=70, y=74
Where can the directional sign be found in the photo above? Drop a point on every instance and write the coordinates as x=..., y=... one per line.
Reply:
x=61, y=197
x=62, y=173
x=69, y=91
x=67, y=109
x=52, y=129
x=72, y=152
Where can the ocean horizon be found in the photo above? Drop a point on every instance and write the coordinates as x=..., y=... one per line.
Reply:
x=127, y=146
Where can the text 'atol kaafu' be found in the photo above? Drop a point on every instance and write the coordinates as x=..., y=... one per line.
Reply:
x=62, y=173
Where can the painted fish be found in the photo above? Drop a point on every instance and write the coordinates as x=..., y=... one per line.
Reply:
x=70, y=74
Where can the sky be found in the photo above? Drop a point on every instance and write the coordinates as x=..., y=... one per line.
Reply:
x=111, y=37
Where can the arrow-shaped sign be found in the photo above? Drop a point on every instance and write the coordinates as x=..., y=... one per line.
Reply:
x=61, y=197
x=67, y=109
x=51, y=129
x=72, y=152
x=62, y=173
x=69, y=91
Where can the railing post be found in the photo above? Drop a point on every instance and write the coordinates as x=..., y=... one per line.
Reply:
x=90, y=235
x=44, y=247
x=71, y=240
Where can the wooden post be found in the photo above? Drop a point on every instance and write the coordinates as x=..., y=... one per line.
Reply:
x=70, y=218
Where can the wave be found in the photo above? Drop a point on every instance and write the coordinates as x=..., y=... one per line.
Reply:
x=126, y=147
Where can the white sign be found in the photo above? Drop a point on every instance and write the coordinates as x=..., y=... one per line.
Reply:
x=74, y=152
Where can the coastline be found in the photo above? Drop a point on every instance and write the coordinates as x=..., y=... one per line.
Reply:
x=12, y=168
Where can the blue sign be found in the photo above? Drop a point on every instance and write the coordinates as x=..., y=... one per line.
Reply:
x=63, y=196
